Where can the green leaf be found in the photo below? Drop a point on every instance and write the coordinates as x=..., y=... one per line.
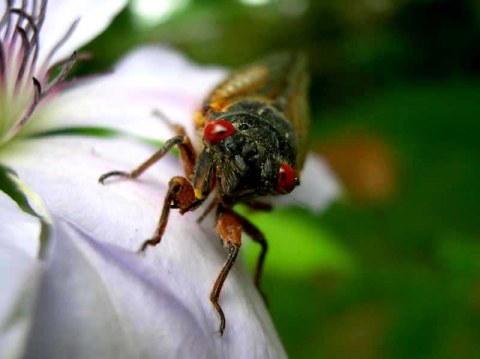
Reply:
x=298, y=245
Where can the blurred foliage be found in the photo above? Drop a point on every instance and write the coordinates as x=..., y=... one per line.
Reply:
x=393, y=269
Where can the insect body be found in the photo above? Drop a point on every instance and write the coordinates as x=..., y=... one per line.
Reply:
x=253, y=128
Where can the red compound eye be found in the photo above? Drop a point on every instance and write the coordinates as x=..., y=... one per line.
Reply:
x=287, y=179
x=217, y=130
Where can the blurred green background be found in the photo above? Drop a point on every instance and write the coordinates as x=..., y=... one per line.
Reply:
x=392, y=270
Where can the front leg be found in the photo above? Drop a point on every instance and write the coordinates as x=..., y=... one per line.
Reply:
x=187, y=155
x=180, y=195
x=230, y=226
x=230, y=231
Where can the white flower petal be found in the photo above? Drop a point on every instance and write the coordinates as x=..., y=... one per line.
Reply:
x=318, y=187
x=169, y=70
x=19, y=230
x=101, y=301
x=149, y=79
x=19, y=274
x=94, y=286
x=64, y=171
x=61, y=14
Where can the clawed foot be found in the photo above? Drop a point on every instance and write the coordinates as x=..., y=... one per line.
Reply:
x=145, y=244
x=113, y=174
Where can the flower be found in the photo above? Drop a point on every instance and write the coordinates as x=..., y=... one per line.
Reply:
x=36, y=37
x=87, y=294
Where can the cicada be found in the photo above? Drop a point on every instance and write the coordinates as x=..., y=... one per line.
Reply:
x=253, y=127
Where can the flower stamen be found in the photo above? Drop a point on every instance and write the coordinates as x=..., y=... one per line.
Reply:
x=39, y=94
x=2, y=66
x=24, y=81
x=63, y=73
x=26, y=54
x=62, y=41
x=33, y=43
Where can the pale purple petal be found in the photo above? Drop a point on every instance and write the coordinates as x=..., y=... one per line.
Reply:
x=64, y=171
x=93, y=15
x=19, y=230
x=19, y=275
x=149, y=79
x=171, y=69
x=318, y=187
x=100, y=292
x=99, y=300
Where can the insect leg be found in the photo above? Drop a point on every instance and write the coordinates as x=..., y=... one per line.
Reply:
x=187, y=153
x=230, y=232
x=177, y=140
x=180, y=195
x=257, y=236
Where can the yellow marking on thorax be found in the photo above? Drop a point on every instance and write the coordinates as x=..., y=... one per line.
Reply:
x=198, y=194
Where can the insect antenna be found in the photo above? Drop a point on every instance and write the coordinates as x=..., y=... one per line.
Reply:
x=299, y=203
